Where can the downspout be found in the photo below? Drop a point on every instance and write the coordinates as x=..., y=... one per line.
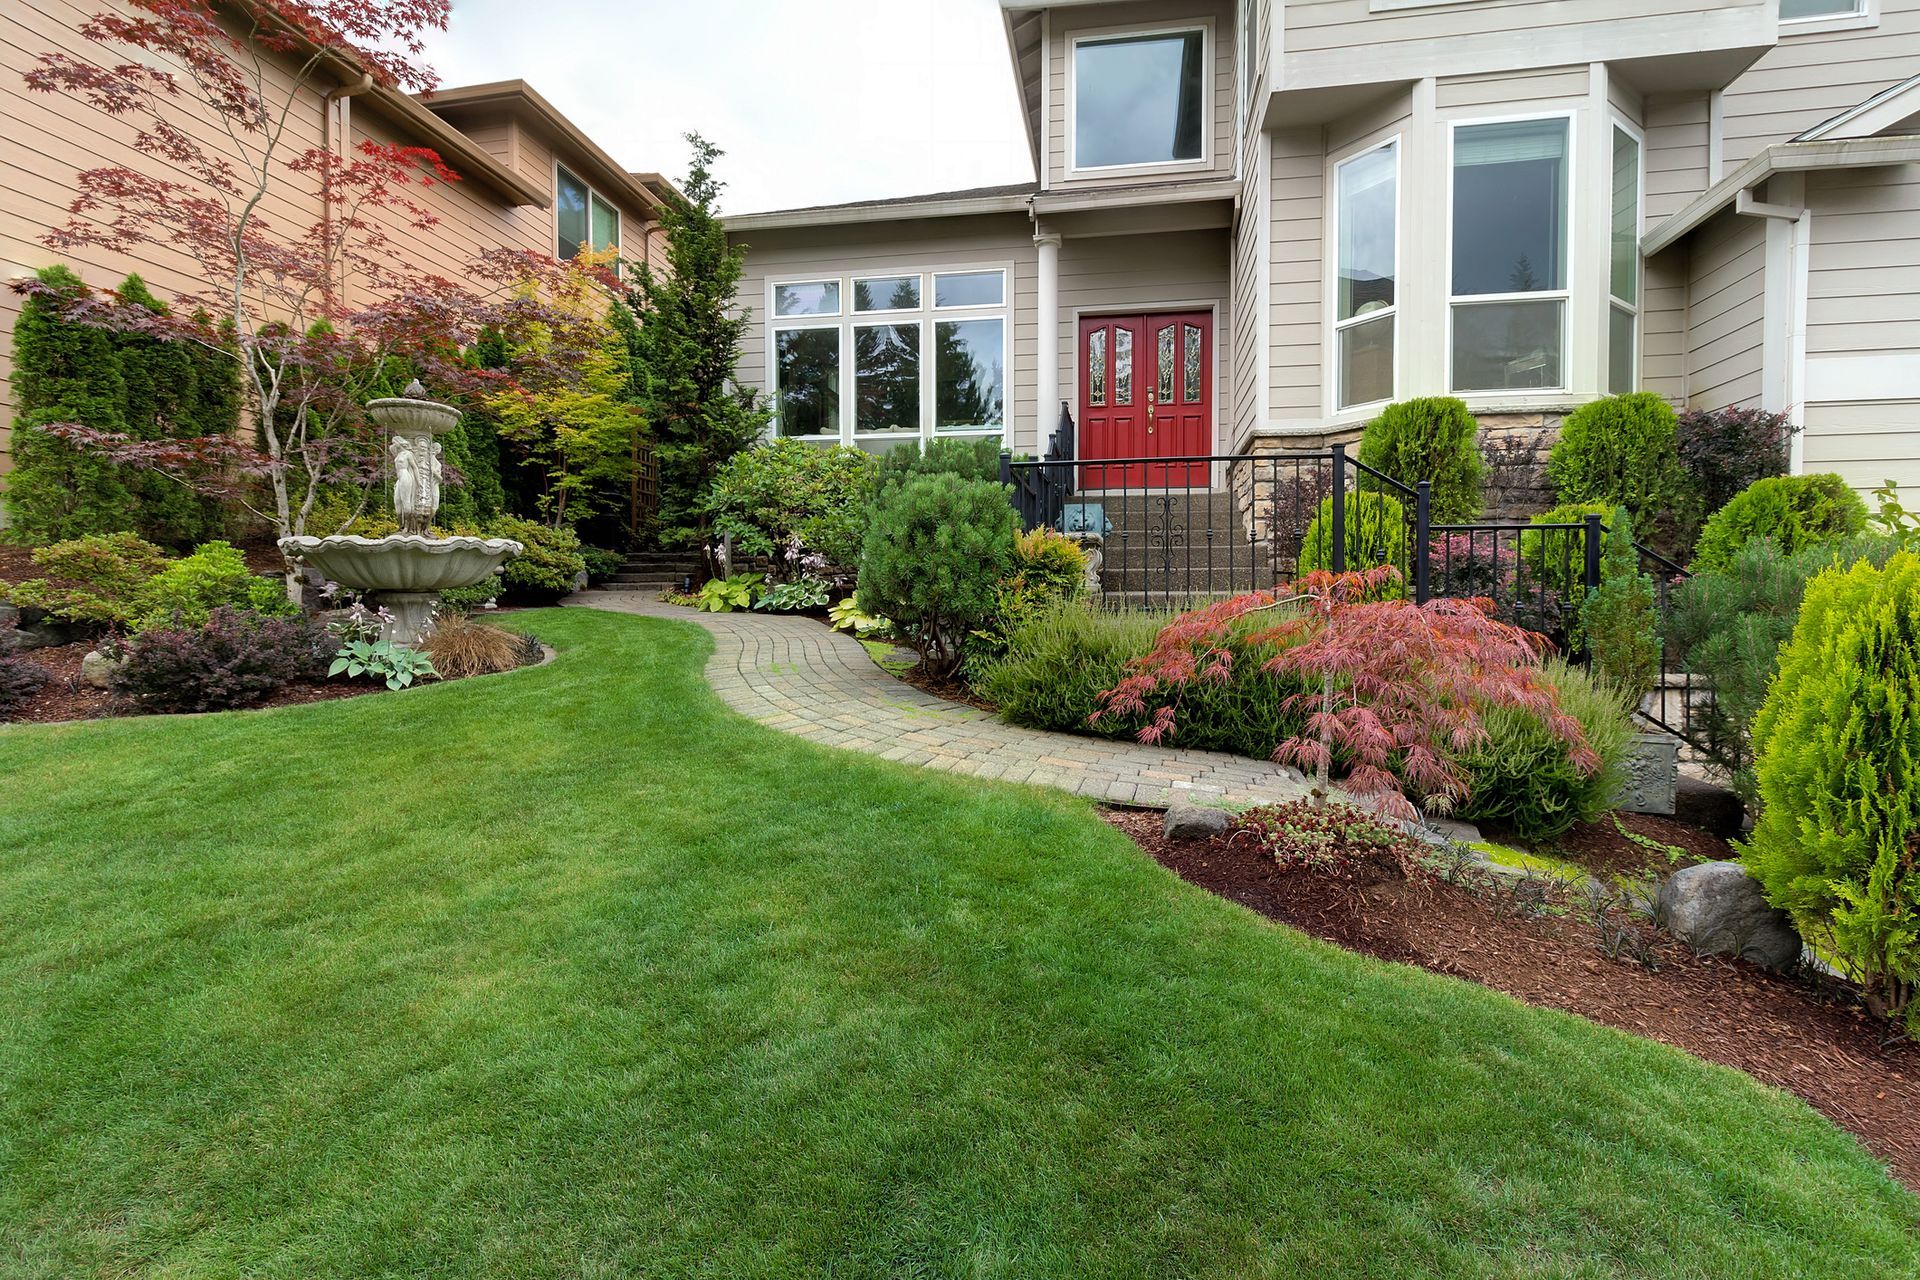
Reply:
x=1784, y=336
x=336, y=128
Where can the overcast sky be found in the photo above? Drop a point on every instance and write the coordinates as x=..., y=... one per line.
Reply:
x=813, y=101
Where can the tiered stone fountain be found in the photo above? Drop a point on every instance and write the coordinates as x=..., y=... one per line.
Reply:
x=405, y=572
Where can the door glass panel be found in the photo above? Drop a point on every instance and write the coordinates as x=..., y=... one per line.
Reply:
x=1123, y=366
x=886, y=380
x=1097, y=367
x=1165, y=339
x=1190, y=361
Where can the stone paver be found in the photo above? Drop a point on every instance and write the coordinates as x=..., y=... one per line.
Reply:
x=794, y=675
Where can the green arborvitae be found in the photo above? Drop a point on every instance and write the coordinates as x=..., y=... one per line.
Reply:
x=164, y=399
x=1618, y=620
x=63, y=372
x=687, y=346
x=1433, y=438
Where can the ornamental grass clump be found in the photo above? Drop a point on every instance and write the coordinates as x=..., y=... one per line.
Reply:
x=1393, y=692
x=459, y=647
x=1837, y=843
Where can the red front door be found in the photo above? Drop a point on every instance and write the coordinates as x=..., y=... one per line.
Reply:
x=1146, y=391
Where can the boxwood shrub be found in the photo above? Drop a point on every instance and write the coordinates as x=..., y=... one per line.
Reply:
x=1791, y=511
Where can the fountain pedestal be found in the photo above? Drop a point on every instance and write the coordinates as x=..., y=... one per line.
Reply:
x=405, y=572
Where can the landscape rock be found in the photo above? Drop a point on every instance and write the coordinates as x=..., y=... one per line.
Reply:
x=32, y=629
x=97, y=669
x=1716, y=908
x=1192, y=822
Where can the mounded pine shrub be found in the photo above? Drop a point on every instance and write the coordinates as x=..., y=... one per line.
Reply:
x=1838, y=770
x=1433, y=438
x=936, y=548
x=1791, y=511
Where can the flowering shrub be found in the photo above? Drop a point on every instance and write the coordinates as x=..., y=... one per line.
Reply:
x=233, y=659
x=19, y=680
x=1395, y=691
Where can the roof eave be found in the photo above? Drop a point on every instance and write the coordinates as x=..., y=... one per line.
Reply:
x=518, y=94
x=839, y=215
x=1781, y=157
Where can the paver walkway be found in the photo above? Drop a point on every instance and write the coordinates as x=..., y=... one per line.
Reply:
x=797, y=676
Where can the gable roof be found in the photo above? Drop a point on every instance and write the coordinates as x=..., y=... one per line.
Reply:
x=1008, y=198
x=1885, y=109
x=517, y=95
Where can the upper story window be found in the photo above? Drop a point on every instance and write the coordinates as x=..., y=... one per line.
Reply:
x=1795, y=10
x=917, y=354
x=582, y=218
x=1366, y=263
x=1139, y=99
x=1509, y=254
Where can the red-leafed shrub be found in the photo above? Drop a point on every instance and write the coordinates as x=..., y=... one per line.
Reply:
x=19, y=680
x=1396, y=691
x=234, y=659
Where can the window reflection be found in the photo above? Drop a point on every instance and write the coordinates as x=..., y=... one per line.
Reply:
x=969, y=374
x=1138, y=99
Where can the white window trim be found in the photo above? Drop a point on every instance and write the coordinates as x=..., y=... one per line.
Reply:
x=1335, y=325
x=593, y=193
x=1866, y=14
x=1564, y=295
x=925, y=317
x=1207, y=72
x=1638, y=307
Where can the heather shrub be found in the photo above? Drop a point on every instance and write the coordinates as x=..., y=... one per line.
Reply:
x=233, y=659
x=1727, y=625
x=801, y=504
x=20, y=679
x=215, y=575
x=1376, y=534
x=1522, y=777
x=546, y=570
x=1619, y=625
x=1432, y=438
x=1622, y=451
x=1793, y=511
x=1724, y=450
x=1838, y=771
x=100, y=578
x=936, y=547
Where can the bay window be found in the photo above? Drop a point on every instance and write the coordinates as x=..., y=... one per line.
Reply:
x=926, y=353
x=1139, y=99
x=1623, y=267
x=1509, y=272
x=1366, y=265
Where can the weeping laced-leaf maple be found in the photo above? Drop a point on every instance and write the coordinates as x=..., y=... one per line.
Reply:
x=1401, y=687
x=315, y=315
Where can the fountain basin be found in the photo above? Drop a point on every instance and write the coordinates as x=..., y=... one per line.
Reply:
x=403, y=561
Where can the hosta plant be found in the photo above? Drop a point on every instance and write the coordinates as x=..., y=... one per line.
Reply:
x=848, y=616
x=725, y=595
x=798, y=595
x=395, y=664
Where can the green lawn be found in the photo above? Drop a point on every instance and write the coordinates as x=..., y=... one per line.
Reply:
x=572, y=973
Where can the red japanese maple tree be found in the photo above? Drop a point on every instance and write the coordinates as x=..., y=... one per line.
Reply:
x=317, y=316
x=1401, y=687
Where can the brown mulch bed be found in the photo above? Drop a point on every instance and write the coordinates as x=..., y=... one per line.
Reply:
x=953, y=690
x=1600, y=848
x=65, y=698
x=1784, y=1031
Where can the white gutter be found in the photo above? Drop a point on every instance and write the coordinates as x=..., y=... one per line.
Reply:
x=840, y=215
x=1781, y=157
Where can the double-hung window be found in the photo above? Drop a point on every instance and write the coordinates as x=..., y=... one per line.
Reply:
x=1623, y=266
x=1366, y=265
x=1509, y=259
x=919, y=353
x=582, y=218
x=1139, y=99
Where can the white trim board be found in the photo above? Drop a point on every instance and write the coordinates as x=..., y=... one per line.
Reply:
x=1862, y=378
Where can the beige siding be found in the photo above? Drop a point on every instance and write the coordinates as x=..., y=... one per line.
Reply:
x=1726, y=294
x=881, y=247
x=1807, y=78
x=1389, y=113
x=1513, y=87
x=1863, y=276
x=1249, y=350
x=1867, y=442
x=1663, y=325
x=1070, y=22
x=1676, y=154
x=1294, y=357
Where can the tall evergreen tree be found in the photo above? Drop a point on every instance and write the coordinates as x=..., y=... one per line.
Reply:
x=166, y=397
x=63, y=372
x=688, y=342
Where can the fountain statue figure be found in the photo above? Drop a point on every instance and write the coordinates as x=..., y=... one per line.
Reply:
x=405, y=572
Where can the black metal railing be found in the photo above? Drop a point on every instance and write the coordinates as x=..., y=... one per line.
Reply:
x=1177, y=530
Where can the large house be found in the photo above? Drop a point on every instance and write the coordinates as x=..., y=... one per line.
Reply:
x=529, y=177
x=1257, y=223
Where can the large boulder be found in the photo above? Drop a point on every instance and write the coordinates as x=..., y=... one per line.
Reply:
x=97, y=669
x=1194, y=822
x=1716, y=908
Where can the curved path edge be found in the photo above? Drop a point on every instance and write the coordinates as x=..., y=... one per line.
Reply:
x=797, y=676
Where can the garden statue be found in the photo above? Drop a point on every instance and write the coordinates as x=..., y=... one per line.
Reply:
x=405, y=572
